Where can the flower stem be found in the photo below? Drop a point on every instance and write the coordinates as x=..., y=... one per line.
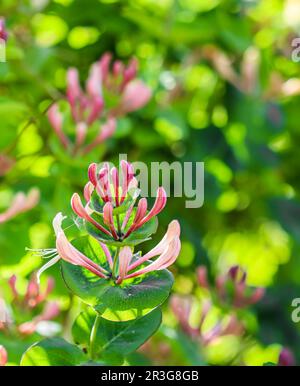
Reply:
x=93, y=337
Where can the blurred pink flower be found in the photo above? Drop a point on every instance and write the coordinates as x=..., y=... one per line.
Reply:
x=86, y=108
x=3, y=356
x=20, y=204
x=109, y=93
x=182, y=308
x=167, y=251
x=51, y=311
x=243, y=295
x=286, y=358
x=6, y=163
x=5, y=318
x=3, y=32
x=28, y=303
x=135, y=96
x=113, y=190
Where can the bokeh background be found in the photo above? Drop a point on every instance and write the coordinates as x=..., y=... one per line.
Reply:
x=226, y=92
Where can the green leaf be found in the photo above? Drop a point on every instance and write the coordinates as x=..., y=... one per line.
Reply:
x=132, y=299
x=114, y=338
x=53, y=352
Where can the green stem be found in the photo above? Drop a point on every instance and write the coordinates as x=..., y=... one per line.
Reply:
x=115, y=262
x=93, y=337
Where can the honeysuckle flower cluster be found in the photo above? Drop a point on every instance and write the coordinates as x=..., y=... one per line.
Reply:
x=232, y=287
x=109, y=93
x=104, y=200
x=21, y=203
x=182, y=309
x=32, y=304
x=3, y=31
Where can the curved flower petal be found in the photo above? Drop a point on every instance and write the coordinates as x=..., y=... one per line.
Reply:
x=135, y=95
x=125, y=257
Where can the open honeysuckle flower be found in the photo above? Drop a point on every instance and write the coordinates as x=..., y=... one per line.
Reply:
x=232, y=287
x=124, y=264
x=110, y=213
x=21, y=203
x=93, y=111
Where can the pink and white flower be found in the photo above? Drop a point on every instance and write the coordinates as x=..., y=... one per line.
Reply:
x=113, y=190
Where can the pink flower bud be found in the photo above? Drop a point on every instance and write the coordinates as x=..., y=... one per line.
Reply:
x=88, y=191
x=3, y=32
x=125, y=257
x=74, y=91
x=286, y=358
